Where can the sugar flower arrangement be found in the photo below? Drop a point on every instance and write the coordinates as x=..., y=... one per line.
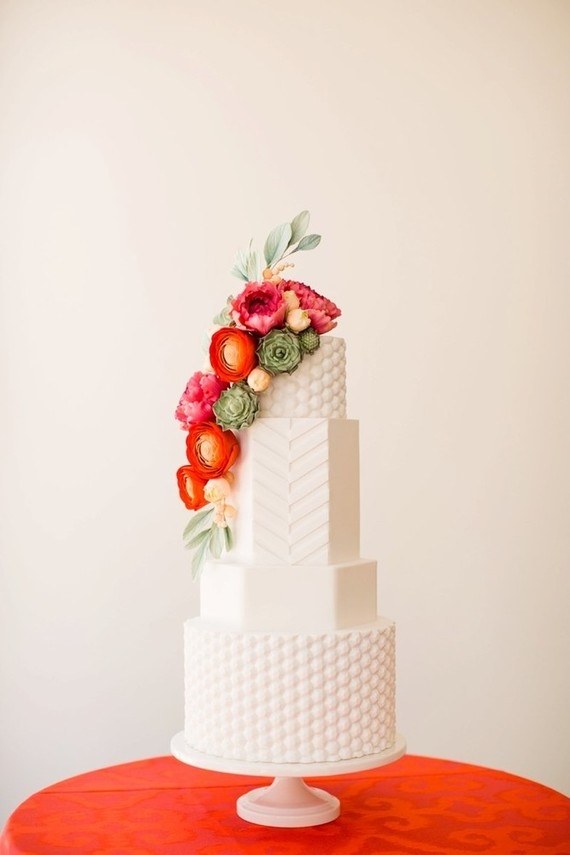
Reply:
x=266, y=330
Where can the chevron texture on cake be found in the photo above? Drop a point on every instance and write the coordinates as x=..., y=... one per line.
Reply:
x=291, y=490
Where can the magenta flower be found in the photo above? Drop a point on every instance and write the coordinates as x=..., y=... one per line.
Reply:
x=321, y=311
x=201, y=393
x=260, y=307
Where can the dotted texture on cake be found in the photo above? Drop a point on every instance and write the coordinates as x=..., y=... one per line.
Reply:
x=284, y=698
x=317, y=389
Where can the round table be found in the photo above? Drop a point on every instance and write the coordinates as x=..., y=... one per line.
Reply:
x=416, y=805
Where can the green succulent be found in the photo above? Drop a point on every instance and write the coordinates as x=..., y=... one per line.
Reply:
x=280, y=351
x=236, y=407
x=309, y=340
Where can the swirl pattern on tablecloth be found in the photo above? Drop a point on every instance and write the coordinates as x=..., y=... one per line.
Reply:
x=414, y=806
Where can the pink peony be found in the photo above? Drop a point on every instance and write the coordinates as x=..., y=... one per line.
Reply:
x=260, y=307
x=201, y=392
x=321, y=311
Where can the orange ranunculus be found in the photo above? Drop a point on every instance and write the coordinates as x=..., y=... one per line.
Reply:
x=210, y=450
x=191, y=488
x=232, y=354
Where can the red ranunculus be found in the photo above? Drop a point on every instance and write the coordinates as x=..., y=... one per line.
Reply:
x=191, y=488
x=211, y=451
x=233, y=354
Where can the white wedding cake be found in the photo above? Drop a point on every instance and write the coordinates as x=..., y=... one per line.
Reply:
x=288, y=661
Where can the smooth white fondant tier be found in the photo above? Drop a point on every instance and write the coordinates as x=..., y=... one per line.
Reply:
x=290, y=698
x=317, y=389
x=285, y=598
x=297, y=492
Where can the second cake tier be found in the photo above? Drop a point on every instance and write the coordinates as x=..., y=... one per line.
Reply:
x=288, y=598
x=298, y=492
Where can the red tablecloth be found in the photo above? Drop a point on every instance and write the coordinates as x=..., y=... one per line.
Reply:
x=414, y=806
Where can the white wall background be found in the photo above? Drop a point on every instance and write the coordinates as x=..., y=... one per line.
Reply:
x=142, y=143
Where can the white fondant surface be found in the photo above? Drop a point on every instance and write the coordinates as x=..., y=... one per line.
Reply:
x=288, y=598
x=297, y=492
x=317, y=389
x=290, y=698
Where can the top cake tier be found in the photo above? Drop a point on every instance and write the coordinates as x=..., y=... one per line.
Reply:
x=316, y=390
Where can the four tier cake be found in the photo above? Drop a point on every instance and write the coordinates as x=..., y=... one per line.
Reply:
x=288, y=661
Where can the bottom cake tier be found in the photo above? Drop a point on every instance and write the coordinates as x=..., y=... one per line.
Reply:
x=290, y=698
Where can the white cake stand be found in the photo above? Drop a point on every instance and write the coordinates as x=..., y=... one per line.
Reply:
x=288, y=802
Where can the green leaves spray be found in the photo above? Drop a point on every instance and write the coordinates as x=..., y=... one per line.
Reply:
x=206, y=538
x=283, y=241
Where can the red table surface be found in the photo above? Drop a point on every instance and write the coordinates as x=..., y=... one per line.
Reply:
x=416, y=805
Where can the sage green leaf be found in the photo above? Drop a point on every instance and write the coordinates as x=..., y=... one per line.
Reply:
x=228, y=537
x=276, y=243
x=237, y=271
x=200, y=556
x=252, y=266
x=299, y=226
x=196, y=522
x=197, y=539
x=223, y=318
x=216, y=541
x=240, y=264
x=309, y=242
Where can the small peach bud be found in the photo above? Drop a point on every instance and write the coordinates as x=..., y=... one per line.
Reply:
x=258, y=380
x=291, y=299
x=216, y=489
x=298, y=320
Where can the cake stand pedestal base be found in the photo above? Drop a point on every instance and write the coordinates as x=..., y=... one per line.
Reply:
x=288, y=802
